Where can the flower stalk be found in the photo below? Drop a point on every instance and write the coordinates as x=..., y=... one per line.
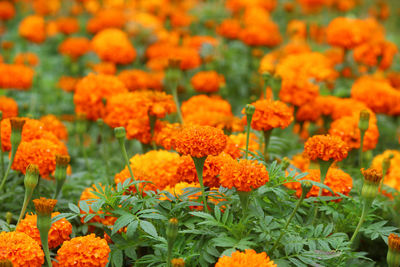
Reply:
x=1, y=149
x=61, y=172
x=363, y=125
x=393, y=256
x=31, y=180
x=172, y=78
x=199, y=164
x=250, y=109
x=172, y=233
x=267, y=137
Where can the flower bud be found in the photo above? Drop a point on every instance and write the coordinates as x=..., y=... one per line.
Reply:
x=31, y=177
x=100, y=122
x=1, y=115
x=16, y=130
x=250, y=109
x=60, y=174
x=120, y=132
x=6, y=263
x=172, y=229
x=363, y=123
x=179, y=262
x=285, y=163
x=372, y=179
x=393, y=256
x=9, y=217
x=386, y=164
x=305, y=188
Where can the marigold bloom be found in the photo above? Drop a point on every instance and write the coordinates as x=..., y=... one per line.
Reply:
x=41, y=152
x=247, y=258
x=166, y=134
x=8, y=107
x=94, y=254
x=198, y=41
x=59, y=231
x=347, y=129
x=236, y=144
x=392, y=174
x=336, y=179
x=325, y=147
x=75, y=47
x=107, y=68
x=44, y=205
x=27, y=58
x=88, y=196
x=207, y=81
x=300, y=162
x=161, y=53
x=298, y=92
x=13, y=76
x=200, y=141
x=20, y=249
x=54, y=125
x=179, y=189
x=205, y=103
x=270, y=114
x=375, y=53
x=244, y=175
x=113, y=45
x=90, y=92
x=107, y=18
x=266, y=34
x=138, y=79
x=229, y=28
x=33, y=28
x=67, y=25
x=156, y=166
x=7, y=10
x=394, y=242
x=67, y=83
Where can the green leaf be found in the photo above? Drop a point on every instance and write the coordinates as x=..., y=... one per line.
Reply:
x=202, y=215
x=117, y=258
x=74, y=208
x=217, y=212
x=131, y=229
x=149, y=228
x=88, y=217
x=121, y=222
x=84, y=206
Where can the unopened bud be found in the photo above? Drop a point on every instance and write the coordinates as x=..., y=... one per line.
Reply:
x=120, y=132
x=178, y=262
x=250, y=109
x=6, y=263
x=386, y=164
x=9, y=217
x=363, y=123
x=285, y=163
x=393, y=256
x=31, y=177
x=172, y=229
x=305, y=188
x=372, y=179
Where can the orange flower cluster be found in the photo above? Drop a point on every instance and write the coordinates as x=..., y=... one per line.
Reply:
x=392, y=175
x=75, y=47
x=207, y=81
x=200, y=141
x=7, y=10
x=67, y=83
x=107, y=68
x=179, y=189
x=59, y=231
x=229, y=28
x=88, y=196
x=347, y=129
x=377, y=94
x=54, y=125
x=28, y=58
x=136, y=80
x=236, y=144
x=20, y=249
x=90, y=251
x=67, y=25
x=247, y=258
x=244, y=175
x=15, y=76
x=166, y=133
x=33, y=28
x=106, y=18
x=269, y=115
x=376, y=53
x=92, y=90
x=336, y=179
x=113, y=45
x=8, y=107
x=325, y=147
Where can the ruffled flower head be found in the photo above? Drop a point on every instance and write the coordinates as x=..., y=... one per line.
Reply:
x=207, y=81
x=15, y=76
x=200, y=141
x=247, y=258
x=74, y=47
x=33, y=28
x=325, y=147
x=44, y=205
x=8, y=107
x=7, y=10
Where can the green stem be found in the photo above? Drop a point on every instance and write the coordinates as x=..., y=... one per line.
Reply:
x=174, y=89
x=247, y=139
x=287, y=223
x=126, y=159
x=27, y=198
x=360, y=155
x=323, y=167
x=169, y=253
x=244, y=200
x=44, y=225
x=199, y=164
x=267, y=137
x=13, y=152
x=1, y=156
x=366, y=207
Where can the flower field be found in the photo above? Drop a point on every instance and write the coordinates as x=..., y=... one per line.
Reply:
x=226, y=133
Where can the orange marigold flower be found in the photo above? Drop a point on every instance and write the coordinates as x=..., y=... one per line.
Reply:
x=107, y=18
x=376, y=53
x=156, y=166
x=107, y=68
x=90, y=92
x=54, y=125
x=244, y=175
x=266, y=34
x=44, y=206
x=179, y=189
x=300, y=162
x=199, y=41
x=88, y=196
x=113, y=45
x=9, y=107
x=59, y=231
x=247, y=258
x=15, y=76
x=74, y=47
x=207, y=81
x=229, y=28
x=46, y=7
x=392, y=174
x=347, y=129
x=270, y=114
x=298, y=92
x=41, y=152
x=236, y=144
x=20, y=249
x=325, y=147
x=215, y=119
x=310, y=6
x=341, y=107
x=67, y=83
x=166, y=134
x=33, y=28
x=7, y=10
x=138, y=79
x=200, y=141
x=336, y=179
x=27, y=58
x=67, y=25
x=206, y=103
x=94, y=254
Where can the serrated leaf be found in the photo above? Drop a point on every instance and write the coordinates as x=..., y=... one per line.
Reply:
x=88, y=217
x=131, y=229
x=117, y=258
x=149, y=228
x=202, y=215
x=121, y=222
x=84, y=206
x=74, y=208
x=217, y=212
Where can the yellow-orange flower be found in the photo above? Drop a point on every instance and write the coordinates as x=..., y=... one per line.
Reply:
x=27, y=58
x=20, y=249
x=67, y=83
x=375, y=53
x=7, y=10
x=325, y=147
x=247, y=258
x=207, y=81
x=67, y=25
x=113, y=45
x=107, y=18
x=392, y=174
x=270, y=114
x=74, y=47
x=15, y=76
x=9, y=107
x=139, y=80
x=266, y=34
x=199, y=103
x=165, y=135
x=54, y=125
x=200, y=141
x=90, y=92
x=236, y=144
x=33, y=28
x=59, y=231
x=229, y=28
x=90, y=251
